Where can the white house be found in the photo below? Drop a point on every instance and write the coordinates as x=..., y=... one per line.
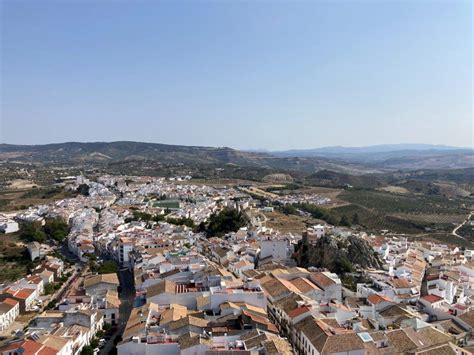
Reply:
x=276, y=248
x=9, y=310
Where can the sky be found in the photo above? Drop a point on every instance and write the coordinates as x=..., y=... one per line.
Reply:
x=270, y=75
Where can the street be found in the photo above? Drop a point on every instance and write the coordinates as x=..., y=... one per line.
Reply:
x=127, y=296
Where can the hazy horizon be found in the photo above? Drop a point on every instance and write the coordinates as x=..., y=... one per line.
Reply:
x=247, y=75
x=408, y=146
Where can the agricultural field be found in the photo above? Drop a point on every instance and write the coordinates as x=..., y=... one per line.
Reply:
x=394, y=189
x=389, y=203
x=375, y=222
x=446, y=238
x=445, y=219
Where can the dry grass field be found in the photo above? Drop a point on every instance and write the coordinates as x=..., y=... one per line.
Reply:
x=17, y=199
x=288, y=223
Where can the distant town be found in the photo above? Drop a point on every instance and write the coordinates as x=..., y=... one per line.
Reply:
x=148, y=265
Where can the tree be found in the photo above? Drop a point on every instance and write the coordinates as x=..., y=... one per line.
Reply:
x=227, y=220
x=32, y=232
x=87, y=350
x=108, y=267
x=83, y=189
x=355, y=219
x=48, y=289
x=289, y=209
x=342, y=265
x=318, y=212
x=188, y=222
x=56, y=228
x=344, y=221
x=158, y=217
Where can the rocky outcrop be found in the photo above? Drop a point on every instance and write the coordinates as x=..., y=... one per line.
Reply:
x=338, y=254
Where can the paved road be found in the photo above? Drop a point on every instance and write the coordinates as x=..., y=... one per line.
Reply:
x=127, y=296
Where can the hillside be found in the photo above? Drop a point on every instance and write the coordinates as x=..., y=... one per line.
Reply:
x=99, y=153
x=330, y=178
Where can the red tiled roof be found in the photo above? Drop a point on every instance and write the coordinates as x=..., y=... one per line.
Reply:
x=23, y=293
x=431, y=298
x=376, y=298
x=432, y=277
x=322, y=280
x=10, y=301
x=298, y=311
x=401, y=283
x=31, y=347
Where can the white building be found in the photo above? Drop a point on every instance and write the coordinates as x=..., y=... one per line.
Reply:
x=7, y=225
x=277, y=249
x=9, y=310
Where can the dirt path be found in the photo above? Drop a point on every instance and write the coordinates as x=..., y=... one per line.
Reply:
x=454, y=232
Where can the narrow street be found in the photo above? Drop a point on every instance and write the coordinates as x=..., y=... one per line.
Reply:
x=127, y=296
x=59, y=295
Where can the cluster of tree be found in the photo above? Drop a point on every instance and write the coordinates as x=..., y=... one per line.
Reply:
x=342, y=265
x=54, y=228
x=319, y=213
x=344, y=221
x=188, y=222
x=32, y=232
x=289, y=186
x=50, y=288
x=227, y=220
x=289, y=209
x=146, y=217
x=107, y=267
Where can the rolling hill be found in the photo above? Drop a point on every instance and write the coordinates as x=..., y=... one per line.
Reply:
x=114, y=152
x=353, y=161
x=394, y=156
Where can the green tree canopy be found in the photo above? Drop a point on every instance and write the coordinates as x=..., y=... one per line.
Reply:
x=227, y=220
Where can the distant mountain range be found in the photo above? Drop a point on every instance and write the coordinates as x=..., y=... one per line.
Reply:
x=341, y=159
x=393, y=156
x=382, y=148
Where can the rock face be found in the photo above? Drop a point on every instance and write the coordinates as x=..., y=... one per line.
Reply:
x=338, y=254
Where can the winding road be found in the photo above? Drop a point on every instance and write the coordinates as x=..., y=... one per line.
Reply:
x=454, y=232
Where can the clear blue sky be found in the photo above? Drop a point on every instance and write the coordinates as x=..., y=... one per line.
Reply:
x=268, y=74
